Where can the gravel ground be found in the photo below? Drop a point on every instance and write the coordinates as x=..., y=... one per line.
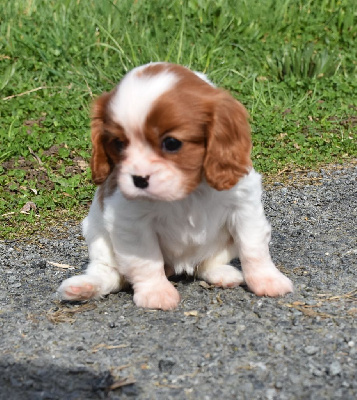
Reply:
x=219, y=344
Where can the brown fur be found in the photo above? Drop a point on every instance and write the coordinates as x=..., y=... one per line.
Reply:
x=100, y=164
x=228, y=144
x=103, y=132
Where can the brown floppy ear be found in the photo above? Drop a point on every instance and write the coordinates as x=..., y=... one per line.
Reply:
x=100, y=163
x=228, y=144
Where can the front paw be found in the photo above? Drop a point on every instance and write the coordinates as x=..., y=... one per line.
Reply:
x=270, y=283
x=79, y=287
x=160, y=295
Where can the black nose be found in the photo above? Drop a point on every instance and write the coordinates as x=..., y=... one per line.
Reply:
x=141, y=182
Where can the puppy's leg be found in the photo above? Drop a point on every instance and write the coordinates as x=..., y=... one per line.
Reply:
x=216, y=271
x=156, y=292
x=251, y=232
x=143, y=267
x=151, y=286
x=102, y=276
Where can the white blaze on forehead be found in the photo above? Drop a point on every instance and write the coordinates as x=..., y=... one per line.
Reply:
x=136, y=94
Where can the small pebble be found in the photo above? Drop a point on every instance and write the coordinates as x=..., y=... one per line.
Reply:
x=311, y=350
x=39, y=264
x=166, y=365
x=335, y=368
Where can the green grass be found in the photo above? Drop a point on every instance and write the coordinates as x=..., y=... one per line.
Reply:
x=291, y=63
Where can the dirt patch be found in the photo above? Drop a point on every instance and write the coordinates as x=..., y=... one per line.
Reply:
x=293, y=176
x=38, y=173
x=31, y=122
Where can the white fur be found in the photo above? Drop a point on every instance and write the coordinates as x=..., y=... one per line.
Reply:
x=204, y=78
x=136, y=95
x=198, y=234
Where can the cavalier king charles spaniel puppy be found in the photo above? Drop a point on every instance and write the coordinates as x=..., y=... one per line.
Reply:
x=177, y=192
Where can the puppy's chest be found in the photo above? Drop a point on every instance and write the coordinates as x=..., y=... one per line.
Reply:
x=183, y=233
x=184, y=229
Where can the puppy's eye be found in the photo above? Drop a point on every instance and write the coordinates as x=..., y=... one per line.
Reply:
x=118, y=145
x=171, y=144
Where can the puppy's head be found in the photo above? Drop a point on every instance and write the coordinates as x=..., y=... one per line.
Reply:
x=163, y=129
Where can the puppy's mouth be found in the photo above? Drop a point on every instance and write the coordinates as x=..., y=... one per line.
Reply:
x=149, y=195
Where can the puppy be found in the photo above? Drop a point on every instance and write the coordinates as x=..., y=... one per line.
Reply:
x=177, y=191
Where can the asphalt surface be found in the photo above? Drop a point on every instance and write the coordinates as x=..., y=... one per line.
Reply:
x=219, y=344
